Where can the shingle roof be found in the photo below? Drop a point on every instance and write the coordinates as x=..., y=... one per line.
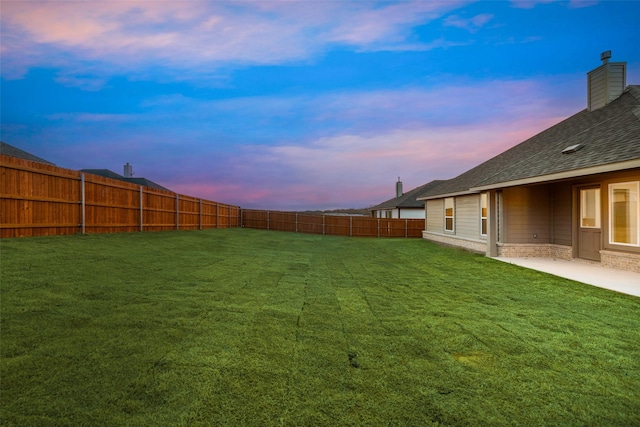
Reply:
x=607, y=136
x=10, y=150
x=104, y=172
x=138, y=181
x=407, y=200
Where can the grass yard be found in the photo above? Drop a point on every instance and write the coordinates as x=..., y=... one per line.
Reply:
x=247, y=327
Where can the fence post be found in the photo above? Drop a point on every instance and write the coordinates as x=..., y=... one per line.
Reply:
x=323, y=224
x=296, y=222
x=268, y=219
x=141, y=210
x=217, y=215
x=200, y=216
x=83, y=203
x=241, y=224
x=350, y=226
x=378, y=227
x=406, y=228
x=177, y=212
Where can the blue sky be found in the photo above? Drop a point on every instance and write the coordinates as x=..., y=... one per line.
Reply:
x=297, y=105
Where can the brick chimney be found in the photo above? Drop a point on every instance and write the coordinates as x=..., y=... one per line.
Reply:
x=605, y=83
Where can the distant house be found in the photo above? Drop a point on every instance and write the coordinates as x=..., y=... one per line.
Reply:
x=127, y=177
x=10, y=150
x=570, y=192
x=404, y=205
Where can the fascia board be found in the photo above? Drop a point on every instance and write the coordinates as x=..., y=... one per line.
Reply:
x=612, y=167
x=442, y=196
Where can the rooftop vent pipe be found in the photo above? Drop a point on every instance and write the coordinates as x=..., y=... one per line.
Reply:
x=128, y=171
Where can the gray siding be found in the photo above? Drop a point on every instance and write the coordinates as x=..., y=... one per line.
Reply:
x=597, y=85
x=526, y=212
x=605, y=84
x=467, y=216
x=435, y=215
x=617, y=80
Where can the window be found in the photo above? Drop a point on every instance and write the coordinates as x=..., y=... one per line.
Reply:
x=483, y=214
x=623, y=213
x=590, y=208
x=448, y=214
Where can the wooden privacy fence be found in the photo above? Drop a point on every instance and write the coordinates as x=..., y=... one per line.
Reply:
x=356, y=226
x=38, y=199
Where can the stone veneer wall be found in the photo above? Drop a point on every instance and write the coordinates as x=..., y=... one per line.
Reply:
x=621, y=261
x=461, y=242
x=618, y=260
x=535, y=250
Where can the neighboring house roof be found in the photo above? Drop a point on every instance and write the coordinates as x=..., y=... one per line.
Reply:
x=608, y=138
x=104, y=172
x=407, y=200
x=138, y=181
x=10, y=150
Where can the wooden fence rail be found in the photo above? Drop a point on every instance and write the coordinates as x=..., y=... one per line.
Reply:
x=355, y=226
x=38, y=199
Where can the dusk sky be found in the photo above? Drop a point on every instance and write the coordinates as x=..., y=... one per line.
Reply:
x=297, y=105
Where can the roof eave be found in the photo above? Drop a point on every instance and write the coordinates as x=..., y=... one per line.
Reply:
x=381, y=208
x=576, y=173
x=442, y=196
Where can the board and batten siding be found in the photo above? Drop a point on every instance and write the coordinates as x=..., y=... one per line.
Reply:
x=526, y=214
x=562, y=214
x=435, y=216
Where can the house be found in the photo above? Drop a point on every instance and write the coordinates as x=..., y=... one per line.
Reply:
x=404, y=205
x=569, y=192
x=10, y=150
x=128, y=177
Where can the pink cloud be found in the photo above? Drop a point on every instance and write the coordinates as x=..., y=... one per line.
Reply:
x=199, y=35
x=358, y=168
x=374, y=24
x=357, y=171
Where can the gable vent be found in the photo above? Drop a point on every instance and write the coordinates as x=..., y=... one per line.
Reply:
x=572, y=149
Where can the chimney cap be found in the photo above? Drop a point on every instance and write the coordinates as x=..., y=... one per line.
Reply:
x=604, y=56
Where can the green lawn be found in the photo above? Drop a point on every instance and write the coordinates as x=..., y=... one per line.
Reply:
x=248, y=327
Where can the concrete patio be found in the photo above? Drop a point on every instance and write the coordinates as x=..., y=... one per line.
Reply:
x=626, y=282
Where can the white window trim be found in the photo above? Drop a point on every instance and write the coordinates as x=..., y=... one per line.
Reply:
x=484, y=196
x=453, y=217
x=635, y=184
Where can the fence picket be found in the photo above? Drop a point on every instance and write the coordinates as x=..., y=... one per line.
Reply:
x=39, y=199
x=355, y=226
